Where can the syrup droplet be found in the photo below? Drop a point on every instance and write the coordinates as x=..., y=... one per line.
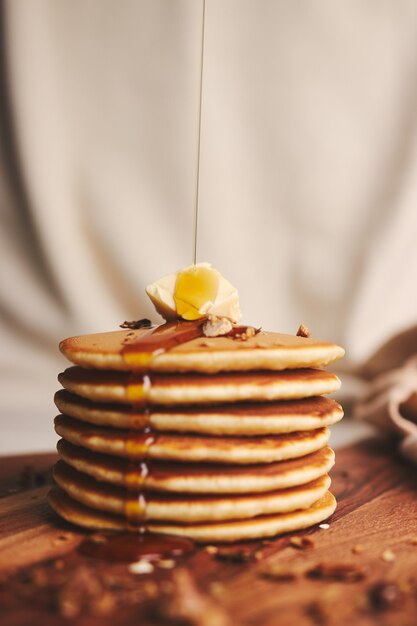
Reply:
x=138, y=444
x=138, y=390
x=135, y=508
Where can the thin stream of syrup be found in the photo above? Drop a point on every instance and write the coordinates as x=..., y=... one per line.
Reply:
x=200, y=108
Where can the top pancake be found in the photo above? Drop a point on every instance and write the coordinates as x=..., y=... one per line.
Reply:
x=264, y=351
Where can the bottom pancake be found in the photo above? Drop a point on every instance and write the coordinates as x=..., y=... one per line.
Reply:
x=254, y=528
x=140, y=507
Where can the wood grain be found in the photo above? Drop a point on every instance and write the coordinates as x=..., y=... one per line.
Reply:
x=44, y=580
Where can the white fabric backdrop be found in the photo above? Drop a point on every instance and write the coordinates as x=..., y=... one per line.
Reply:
x=308, y=172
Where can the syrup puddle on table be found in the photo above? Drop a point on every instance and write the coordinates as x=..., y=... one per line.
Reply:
x=129, y=547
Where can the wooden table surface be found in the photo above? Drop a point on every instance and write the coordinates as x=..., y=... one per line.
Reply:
x=361, y=570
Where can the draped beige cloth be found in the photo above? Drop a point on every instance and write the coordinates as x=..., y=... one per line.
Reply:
x=389, y=399
x=308, y=194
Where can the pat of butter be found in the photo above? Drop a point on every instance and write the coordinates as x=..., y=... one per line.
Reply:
x=193, y=293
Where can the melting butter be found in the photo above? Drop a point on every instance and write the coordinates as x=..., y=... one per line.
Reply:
x=193, y=293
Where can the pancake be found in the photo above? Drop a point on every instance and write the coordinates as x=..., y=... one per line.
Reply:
x=237, y=419
x=226, y=531
x=190, y=448
x=266, y=350
x=163, y=389
x=184, y=508
x=215, y=439
x=203, y=478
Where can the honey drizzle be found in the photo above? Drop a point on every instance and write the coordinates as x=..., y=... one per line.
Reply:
x=137, y=448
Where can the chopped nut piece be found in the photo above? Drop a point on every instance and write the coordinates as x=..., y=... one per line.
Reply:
x=301, y=543
x=321, y=609
x=358, y=549
x=217, y=326
x=30, y=478
x=243, y=333
x=186, y=604
x=303, y=331
x=217, y=589
x=278, y=572
x=405, y=584
x=81, y=592
x=40, y=577
x=385, y=595
x=235, y=556
x=388, y=556
x=166, y=563
x=167, y=586
x=318, y=612
x=143, y=323
x=98, y=538
x=344, y=572
x=151, y=589
x=61, y=539
x=57, y=541
x=211, y=549
x=104, y=604
x=141, y=567
x=362, y=602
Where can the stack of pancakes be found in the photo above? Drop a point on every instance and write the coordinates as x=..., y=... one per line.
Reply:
x=215, y=439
